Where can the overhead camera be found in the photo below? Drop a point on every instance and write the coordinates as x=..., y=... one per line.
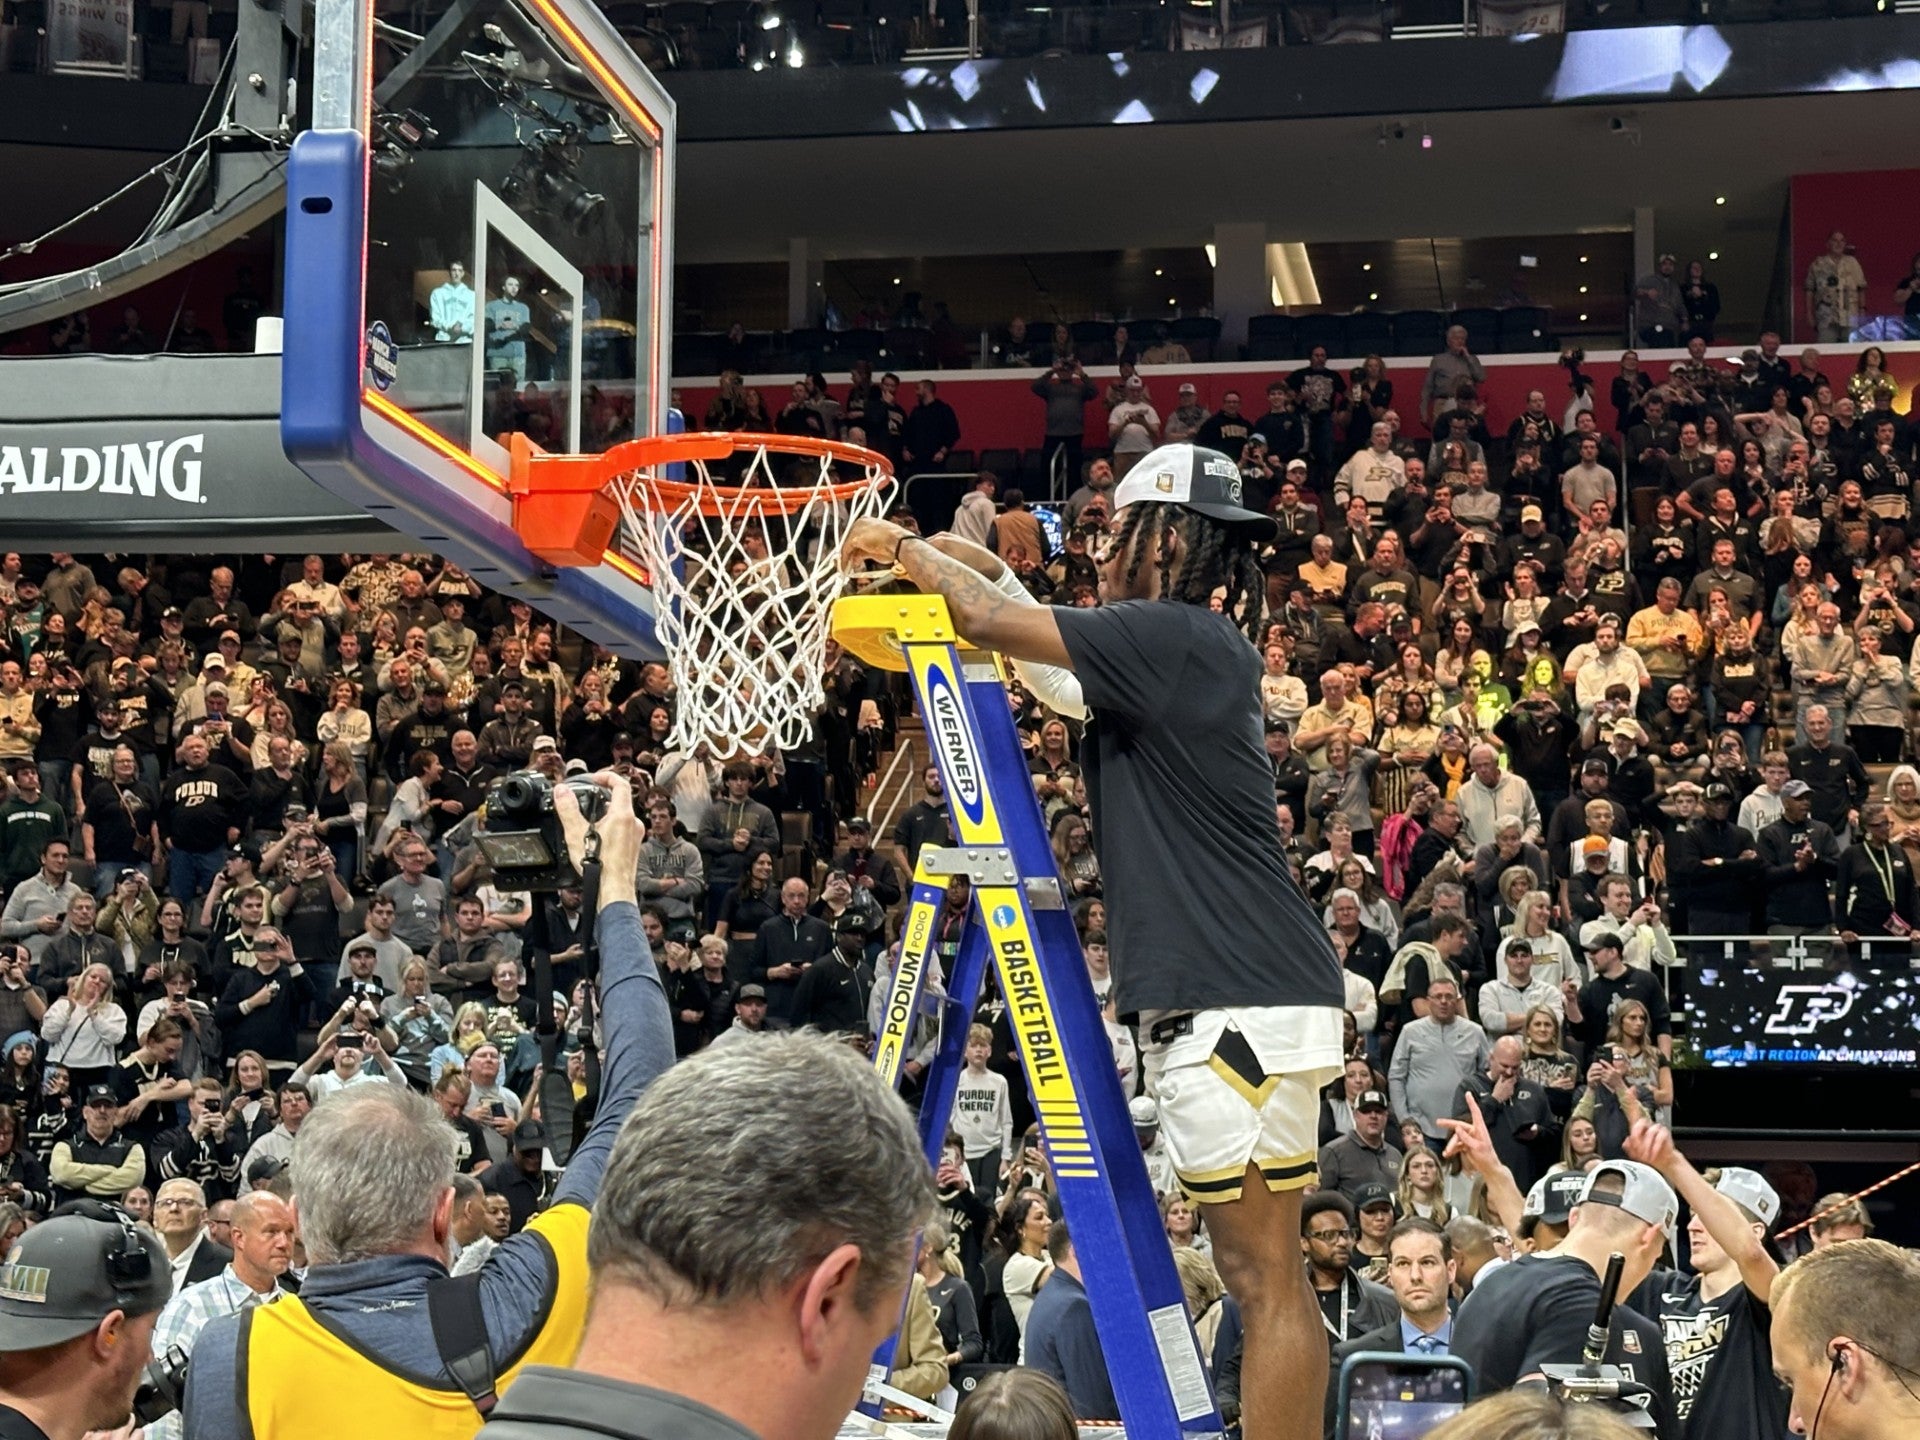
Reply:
x=401, y=134
x=545, y=180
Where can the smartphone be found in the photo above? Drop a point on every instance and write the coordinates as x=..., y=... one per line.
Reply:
x=1390, y=1396
x=347, y=1040
x=498, y=1110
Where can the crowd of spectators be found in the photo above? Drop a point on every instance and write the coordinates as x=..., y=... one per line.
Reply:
x=1517, y=761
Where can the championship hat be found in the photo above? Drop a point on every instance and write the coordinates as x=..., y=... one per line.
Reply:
x=1194, y=478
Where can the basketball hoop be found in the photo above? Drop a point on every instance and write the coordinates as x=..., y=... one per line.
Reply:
x=743, y=560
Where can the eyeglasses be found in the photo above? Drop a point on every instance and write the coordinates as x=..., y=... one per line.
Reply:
x=177, y=1202
x=1329, y=1237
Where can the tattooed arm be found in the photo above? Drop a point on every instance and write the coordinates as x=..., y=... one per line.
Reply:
x=980, y=612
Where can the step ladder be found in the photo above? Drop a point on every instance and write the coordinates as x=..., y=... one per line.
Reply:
x=1021, y=925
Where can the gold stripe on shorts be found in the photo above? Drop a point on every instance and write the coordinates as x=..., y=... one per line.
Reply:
x=1234, y=1062
x=1294, y=1173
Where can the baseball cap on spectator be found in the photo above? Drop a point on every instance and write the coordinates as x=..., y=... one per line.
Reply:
x=1595, y=845
x=1594, y=765
x=434, y=687
x=861, y=823
x=1795, y=789
x=1293, y=465
x=1603, y=940
x=529, y=1135
x=214, y=661
x=513, y=687
x=750, y=992
x=849, y=923
x=266, y=1168
x=1372, y=1193
x=233, y=635
x=244, y=850
x=544, y=742
x=173, y=612
x=101, y=1095
x=217, y=687
x=1645, y=1196
x=1719, y=792
x=361, y=947
x=576, y=767
x=621, y=741
x=76, y=1267
x=1189, y=389
x=1144, y=1111
x=1625, y=727
x=1530, y=512
x=1553, y=1198
x=1750, y=1191
x=1371, y=1100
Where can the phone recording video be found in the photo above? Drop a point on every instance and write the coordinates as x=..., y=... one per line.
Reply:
x=1399, y=1397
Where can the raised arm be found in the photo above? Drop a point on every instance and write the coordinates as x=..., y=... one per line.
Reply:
x=980, y=612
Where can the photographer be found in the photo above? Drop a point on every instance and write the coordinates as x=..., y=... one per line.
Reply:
x=208, y=1149
x=81, y=1294
x=1067, y=393
x=374, y=1174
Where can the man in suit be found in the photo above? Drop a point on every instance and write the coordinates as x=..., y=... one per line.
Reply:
x=180, y=1215
x=1060, y=1335
x=1420, y=1270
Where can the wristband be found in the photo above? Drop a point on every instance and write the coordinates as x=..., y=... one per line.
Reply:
x=900, y=542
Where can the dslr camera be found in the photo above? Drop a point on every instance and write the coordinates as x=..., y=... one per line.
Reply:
x=521, y=835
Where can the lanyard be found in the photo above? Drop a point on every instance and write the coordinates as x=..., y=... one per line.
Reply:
x=1883, y=870
x=1346, y=1300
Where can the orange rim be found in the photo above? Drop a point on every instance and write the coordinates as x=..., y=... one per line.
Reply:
x=536, y=473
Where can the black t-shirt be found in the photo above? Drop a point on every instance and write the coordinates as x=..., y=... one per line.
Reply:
x=1720, y=1356
x=1535, y=1311
x=15, y=1426
x=117, y=816
x=470, y=1144
x=128, y=1076
x=1201, y=909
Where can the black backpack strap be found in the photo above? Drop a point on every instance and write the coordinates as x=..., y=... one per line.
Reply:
x=460, y=1334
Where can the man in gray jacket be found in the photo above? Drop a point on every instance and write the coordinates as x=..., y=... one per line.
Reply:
x=1434, y=1056
x=671, y=873
x=1363, y=1154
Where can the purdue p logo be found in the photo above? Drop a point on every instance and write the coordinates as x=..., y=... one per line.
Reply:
x=1802, y=1009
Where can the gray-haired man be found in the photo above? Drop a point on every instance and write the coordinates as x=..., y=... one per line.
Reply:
x=794, y=1281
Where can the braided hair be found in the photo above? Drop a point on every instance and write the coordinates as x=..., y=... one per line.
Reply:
x=1217, y=558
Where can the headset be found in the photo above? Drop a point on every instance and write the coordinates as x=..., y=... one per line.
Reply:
x=129, y=1263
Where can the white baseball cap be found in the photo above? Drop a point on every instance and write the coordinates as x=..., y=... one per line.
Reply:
x=1750, y=1191
x=1646, y=1196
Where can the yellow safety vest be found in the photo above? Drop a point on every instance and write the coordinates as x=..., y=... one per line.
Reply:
x=289, y=1358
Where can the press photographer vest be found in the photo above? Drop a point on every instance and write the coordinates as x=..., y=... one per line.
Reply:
x=288, y=1356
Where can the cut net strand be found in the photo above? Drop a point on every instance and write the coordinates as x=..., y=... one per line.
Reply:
x=744, y=570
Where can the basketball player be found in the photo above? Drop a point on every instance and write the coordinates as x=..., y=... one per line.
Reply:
x=1233, y=981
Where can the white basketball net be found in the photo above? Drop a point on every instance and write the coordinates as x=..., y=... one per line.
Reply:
x=743, y=589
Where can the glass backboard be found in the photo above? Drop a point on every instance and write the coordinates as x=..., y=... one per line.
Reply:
x=479, y=243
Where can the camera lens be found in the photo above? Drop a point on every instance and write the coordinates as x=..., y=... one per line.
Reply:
x=518, y=796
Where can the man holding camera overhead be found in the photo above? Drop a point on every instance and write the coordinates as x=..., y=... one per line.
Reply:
x=364, y=1322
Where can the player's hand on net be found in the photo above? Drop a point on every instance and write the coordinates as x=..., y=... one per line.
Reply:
x=871, y=540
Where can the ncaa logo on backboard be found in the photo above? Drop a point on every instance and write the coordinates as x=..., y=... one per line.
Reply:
x=948, y=723
x=1004, y=916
